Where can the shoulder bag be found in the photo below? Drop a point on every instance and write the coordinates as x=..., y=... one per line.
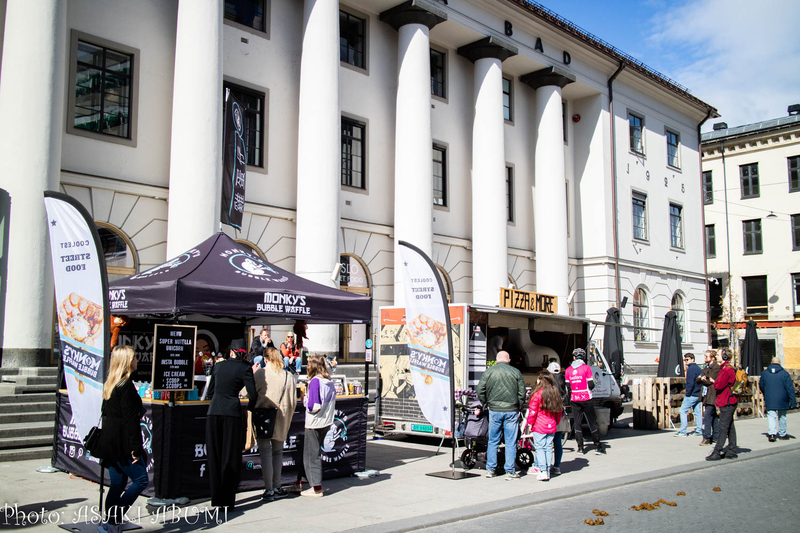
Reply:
x=264, y=418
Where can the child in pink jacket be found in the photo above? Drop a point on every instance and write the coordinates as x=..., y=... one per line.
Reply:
x=544, y=414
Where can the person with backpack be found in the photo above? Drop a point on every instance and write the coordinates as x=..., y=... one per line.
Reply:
x=581, y=383
x=709, y=394
x=778, y=389
x=726, y=403
x=563, y=426
x=544, y=414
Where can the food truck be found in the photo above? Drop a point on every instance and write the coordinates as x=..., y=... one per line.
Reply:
x=525, y=324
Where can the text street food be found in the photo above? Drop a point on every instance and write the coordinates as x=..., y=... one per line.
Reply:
x=80, y=319
x=426, y=331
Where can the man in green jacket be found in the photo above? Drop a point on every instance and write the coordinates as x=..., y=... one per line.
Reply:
x=502, y=391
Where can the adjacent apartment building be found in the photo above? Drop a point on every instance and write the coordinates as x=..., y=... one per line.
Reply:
x=751, y=191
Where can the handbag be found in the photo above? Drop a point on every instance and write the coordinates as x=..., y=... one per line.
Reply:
x=563, y=424
x=264, y=418
x=92, y=442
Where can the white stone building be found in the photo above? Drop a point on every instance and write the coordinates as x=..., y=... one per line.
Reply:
x=751, y=177
x=479, y=130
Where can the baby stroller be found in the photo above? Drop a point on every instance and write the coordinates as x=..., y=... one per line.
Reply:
x=475, y=420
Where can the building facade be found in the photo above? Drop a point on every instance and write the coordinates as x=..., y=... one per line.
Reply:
x=507, y=143
x=751, y=179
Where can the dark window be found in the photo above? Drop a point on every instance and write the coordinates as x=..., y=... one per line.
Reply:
x=672, y=149
x=564, y=122
x=510, y=193
x=439, y=175
x=352, y=38
x=247, y=12
x=636, y=131
x=103, y=90
x=755, y=295
x=639, y=209
x=675, y=226
x=749, y=176
x=507, y=101
x=794, y=173
x=708, y=188
x=795, y=232
x=752, y=236
x=711, y=241
x=437, y=73
x=353, y=154
x=796, y=292
x=641, y=315
x=715, y=298
x=253, y=105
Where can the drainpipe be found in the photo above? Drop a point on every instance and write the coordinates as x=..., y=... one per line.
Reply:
x=727, y=248
x=703, y=215
x=614, y=180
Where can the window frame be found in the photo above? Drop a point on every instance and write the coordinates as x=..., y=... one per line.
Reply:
x=711, y=241
x=708, y=192
x=796, y=292
x=641, y=196
x=133, y=111
x=365, y=39
x=756, y=232
x=445, y=88
x=510, y=94
x=680, y=312
x=681, y=234
x=794, y=222
x=565, y=120
x=353, y=121
x=667, y=133
x=793, y=170
x=443, y=148
x=345, y=329
x=116, y=270
x=747, y=308
x=510, y=204
x=249, y=29
x=642, y=130
x=641, y=318
x=447, y=282
x=754, y=191
x=263, y=94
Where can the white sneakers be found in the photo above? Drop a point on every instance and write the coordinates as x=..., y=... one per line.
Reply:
x=543, y=476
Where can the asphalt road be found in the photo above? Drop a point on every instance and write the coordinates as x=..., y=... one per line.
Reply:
x=758, y=495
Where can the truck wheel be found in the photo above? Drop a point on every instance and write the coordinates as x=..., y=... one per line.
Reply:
x=468, y=459
x=524, y=458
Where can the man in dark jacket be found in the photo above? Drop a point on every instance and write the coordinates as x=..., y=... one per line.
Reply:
x=778, y=389
x=726, y=403
x=692, y=399
x=260, y=343
x=709, y=395
x=502, y=391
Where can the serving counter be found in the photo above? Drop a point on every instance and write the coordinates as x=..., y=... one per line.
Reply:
x=174, y=439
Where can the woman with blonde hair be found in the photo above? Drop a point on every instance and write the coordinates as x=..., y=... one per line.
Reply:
x=275, y=388
x=320, y=404
x=122, y=411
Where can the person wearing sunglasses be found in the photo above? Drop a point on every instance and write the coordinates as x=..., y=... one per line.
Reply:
x=291, y=354
x=691, y=400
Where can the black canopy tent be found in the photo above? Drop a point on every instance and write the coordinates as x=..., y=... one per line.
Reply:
x=670, y=358
x=221, y=278
x=612, y=343
x=751, y=352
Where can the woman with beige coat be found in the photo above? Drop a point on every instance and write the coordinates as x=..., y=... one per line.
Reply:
x=275, y=387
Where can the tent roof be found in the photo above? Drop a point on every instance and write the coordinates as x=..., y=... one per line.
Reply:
x=220, y=277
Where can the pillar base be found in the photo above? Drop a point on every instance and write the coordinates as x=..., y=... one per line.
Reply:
x=25, y=357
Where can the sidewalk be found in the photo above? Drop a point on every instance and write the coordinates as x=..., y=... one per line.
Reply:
x=403, y=497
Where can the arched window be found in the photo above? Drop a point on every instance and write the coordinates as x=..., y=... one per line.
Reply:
x=641, y=315
x=448, y=285
x=121, y=260
x=511, y=283
x=353, y=277
x=252, y=248
x=680, y=311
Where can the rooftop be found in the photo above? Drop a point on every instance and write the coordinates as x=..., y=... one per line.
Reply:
x=758, y=127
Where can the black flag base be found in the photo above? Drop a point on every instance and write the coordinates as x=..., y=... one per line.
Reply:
x=91, y=527
x=452, y=474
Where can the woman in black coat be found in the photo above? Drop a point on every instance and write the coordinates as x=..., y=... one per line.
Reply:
x=125, y=459
x=225, y=423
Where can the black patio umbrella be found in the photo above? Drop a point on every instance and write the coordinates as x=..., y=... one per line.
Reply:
x=670, y=358
x=612, y=343
x=751, y=353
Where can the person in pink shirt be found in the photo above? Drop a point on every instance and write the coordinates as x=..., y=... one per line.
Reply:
x=544, y=414
x=579, y=378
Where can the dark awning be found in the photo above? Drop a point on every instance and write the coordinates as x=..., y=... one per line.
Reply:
x=220, y=277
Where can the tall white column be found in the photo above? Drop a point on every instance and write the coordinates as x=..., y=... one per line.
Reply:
x=32, y=107
x=550, y=198
x=489, y=211
x=319, y=157
x=195, y=168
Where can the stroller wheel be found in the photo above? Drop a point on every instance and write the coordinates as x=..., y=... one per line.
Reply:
x=524, y=458
x=469, y=458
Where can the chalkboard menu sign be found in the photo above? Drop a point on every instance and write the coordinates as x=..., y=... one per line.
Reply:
x=173, y=357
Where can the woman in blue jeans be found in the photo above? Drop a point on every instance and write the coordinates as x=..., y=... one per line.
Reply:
x=122, y=411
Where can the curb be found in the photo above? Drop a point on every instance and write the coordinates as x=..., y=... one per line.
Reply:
x=528, y=500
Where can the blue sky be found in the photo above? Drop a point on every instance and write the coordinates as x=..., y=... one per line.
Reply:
x=741, y=56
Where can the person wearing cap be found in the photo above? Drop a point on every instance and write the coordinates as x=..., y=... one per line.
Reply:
x=581, y=383
x=563, y=425
x=224, y=435
x=502, y=391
